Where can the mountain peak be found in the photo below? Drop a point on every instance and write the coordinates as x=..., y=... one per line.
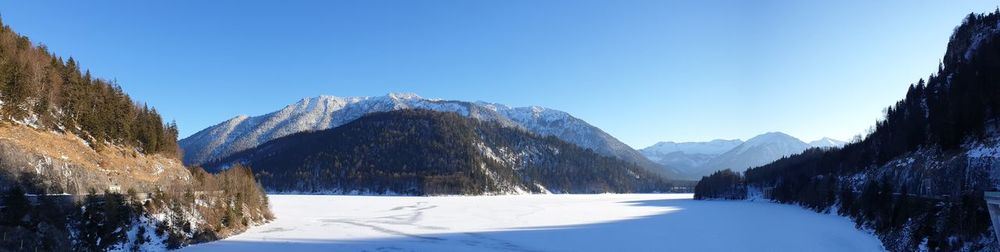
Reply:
x=403, y=95
x=695, y=159
x=827, y=142
x=388, y=96
x=756, y=151
x=771, y=137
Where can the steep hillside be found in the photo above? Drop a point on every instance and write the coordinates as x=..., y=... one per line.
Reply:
x=41, y=90
x=83, y=167
x=918, y=178
x=71, y=132
x=64, y=163
x=427, y=152
x=325, y=112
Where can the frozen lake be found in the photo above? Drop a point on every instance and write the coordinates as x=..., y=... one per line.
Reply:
x=604, y=222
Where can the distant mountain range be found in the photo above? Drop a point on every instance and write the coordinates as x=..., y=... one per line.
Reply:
x=686, y=157
x=423, y=152
x=326, y=112
x=696, y=159
x=688, y=160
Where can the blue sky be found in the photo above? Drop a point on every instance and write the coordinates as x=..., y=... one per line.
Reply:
x=644, y=71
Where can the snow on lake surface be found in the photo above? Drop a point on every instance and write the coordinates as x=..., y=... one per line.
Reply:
x=601, y=222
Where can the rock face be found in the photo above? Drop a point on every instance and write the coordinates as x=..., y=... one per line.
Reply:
x=325, y=112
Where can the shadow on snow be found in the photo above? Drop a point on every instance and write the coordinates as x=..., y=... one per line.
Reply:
x=683, y=225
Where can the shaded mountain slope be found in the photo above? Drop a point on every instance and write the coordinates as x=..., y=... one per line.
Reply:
x=428, y=152
x=325, y=112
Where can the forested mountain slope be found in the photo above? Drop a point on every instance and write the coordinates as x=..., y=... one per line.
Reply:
x=918, y=178
x=325, y=112
x=83, y=167
x=427, y=152
x=44, y=91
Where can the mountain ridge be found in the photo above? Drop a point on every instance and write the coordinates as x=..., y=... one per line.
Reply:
x=325, y=112
x=425, y=152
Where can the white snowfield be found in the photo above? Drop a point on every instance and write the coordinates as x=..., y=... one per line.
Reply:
x=604, y=222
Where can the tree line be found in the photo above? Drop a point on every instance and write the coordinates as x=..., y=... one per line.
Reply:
x=724, y=184
x=41, y=89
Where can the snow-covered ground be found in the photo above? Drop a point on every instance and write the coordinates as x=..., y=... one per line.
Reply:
x=604, y=222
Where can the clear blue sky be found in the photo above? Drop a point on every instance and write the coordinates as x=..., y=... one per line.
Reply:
x=644, y=71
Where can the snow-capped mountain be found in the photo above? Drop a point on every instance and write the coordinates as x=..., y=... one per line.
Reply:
x=687, y=156
x=428, y=152
x=757, y=151
x=696, y=159
x=827, y=142
x=717, y=146
x=325, y=112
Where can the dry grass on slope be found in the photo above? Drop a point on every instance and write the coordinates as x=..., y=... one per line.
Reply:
x=65, y=163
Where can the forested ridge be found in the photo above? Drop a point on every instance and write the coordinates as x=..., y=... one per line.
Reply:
x=426, y=152
x=40, y=89
x=917, y=178
x=73, y=176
